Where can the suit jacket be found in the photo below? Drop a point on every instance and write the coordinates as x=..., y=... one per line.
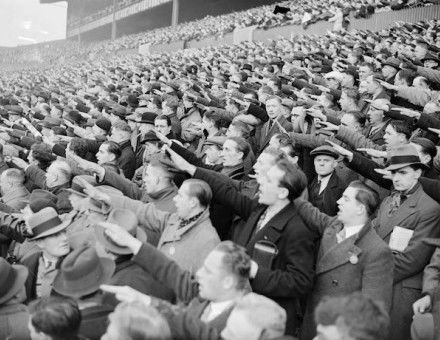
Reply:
x=421, y=214
x=266, y=132
x=127, y=160
x=377, y=136
x=182, y=282
x=362, y=262
x=32, y=263
x=332, y=192
x=290, y=275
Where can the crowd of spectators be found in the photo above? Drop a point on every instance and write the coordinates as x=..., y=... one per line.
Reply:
x=277, y=190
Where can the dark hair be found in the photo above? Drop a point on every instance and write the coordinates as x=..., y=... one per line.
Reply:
x=366, y=196
x=113, y=148
x=428, y=146
x=286, y=142
x=79, y=147
x=242, y=145
x=236, y=260
x=294, y=180
x=57, y=317
x=42, y=153
x=164, y=117
x=402, y=127
x=363, y=317
x=200, y=190
x=407, y=75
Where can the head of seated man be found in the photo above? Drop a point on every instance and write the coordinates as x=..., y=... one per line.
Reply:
x=352, y=317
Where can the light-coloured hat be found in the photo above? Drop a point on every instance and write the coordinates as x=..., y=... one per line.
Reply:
x=402, y=156
x=46, y=222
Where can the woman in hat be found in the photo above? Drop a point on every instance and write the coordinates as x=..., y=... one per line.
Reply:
x=13, y=314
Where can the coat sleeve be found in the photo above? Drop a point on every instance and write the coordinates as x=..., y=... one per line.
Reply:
x=316, y=220
x=429, y=73
x=431, y=187
x=431, y=274
x=147, y=214
x=377, y=277
x=226, y=193
x=426, y=121
x=365, y=167
x=127, y=187
x=167, y=272
x=13, y=227
x=355, y=139
x=414, y=95
x=310, y=141
x=127, y=163
x=296, y=279
x=417, y=254
x=191, y=157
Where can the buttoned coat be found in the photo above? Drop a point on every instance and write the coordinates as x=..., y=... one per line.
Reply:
x=419, y=213
x=290, y=276
x=362, y=262
x=188, y=246
x=332, y=192
x=264, y=135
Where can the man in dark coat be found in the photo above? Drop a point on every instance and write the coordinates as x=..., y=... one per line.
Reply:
x=327, y=187
x=281, y=245
x=121, y=134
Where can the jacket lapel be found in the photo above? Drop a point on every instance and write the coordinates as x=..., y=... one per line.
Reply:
x=408, y=208
x=273, y=229
x=333, y=254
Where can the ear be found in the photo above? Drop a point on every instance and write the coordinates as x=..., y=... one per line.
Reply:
x=283, y=193
x=228, y=282
x=418, y=173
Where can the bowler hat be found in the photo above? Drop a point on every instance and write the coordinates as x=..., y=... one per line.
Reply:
x=402, y=156
x=125, y=219
x=82, y=272
x=150, y=136
x=325, y=150
x=40, y=199
x=46, y=222
x=12, y=279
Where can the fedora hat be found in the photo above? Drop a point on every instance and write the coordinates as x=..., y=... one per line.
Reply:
x=402, y=156
x=40, y=199
x=125, y=219
x=12, y=279
x=46, y=222
x=82, y=272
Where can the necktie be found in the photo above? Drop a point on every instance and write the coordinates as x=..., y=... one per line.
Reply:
x=316, y=189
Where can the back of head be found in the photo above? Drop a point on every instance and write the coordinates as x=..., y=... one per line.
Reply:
x=264, y=317
x=236, y=261
x=57, y=317
x=136, y=321
x=294, y=180
x=356, y=316
x=366, y=196
x=200, y=190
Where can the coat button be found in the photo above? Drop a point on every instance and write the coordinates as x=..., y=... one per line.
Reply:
x=335, y=282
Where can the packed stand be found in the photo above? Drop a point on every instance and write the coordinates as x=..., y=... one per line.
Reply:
x=255, y=191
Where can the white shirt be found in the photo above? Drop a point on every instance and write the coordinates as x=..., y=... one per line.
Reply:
x=324, y=182
x=214, y=309
x=349, y=231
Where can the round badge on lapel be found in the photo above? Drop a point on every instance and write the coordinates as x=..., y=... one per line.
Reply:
x=353, y=259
